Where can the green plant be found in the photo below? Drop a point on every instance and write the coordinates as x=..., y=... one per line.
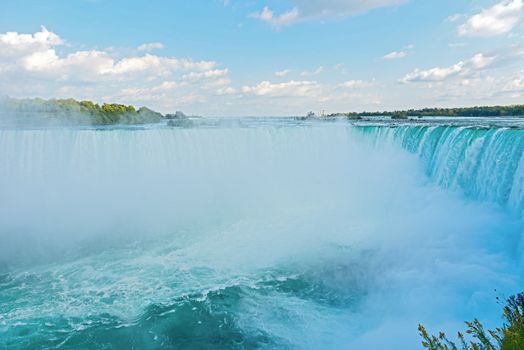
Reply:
x=509, y=337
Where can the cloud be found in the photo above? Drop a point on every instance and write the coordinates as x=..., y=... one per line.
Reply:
x=293, y=88
x=294, y=96
x=481, y=88
x=158, y=65
x=496, y=20
x=480, y=61
x=317, y=71
x=515, y=85
x=487, y=79
x=157, y=89
x=282, y=73
x=150, y=47
x=353, y=84
x=226, y=90
x=35, y=55
x=453, y=18
x=395, y=55
x=209, y=74
x=13, y=44
x=277, y=21
x=308, y=92
x=321, y=9
x=477, y=62
x=433, y=74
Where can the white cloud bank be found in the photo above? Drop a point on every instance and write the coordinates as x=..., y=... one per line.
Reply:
x=13, y=44
x=477, y=62
x=484, y=79
x=33, y=65
x=292, y=88
x=314, y=93
x=496, y=20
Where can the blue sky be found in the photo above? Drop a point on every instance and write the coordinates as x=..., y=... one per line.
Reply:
x=216, y=57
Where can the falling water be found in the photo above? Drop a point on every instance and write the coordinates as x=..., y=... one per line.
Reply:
x=485, y=163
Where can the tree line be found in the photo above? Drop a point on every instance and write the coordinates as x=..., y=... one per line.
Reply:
x=482, y=111
x=78, y=112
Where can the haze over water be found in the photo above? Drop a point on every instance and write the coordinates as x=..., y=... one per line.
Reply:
x=257, y=233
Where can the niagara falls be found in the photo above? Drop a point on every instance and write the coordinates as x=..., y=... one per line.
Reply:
x=262, y=175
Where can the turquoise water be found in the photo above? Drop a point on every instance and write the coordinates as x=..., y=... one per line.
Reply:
x=245, y=234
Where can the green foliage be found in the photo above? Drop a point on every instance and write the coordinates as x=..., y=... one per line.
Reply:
x=399, y=115
x=90, y=106
x=509, y=337
x=513, y=329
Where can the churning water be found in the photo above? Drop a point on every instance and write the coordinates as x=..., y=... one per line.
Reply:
x=256, y=234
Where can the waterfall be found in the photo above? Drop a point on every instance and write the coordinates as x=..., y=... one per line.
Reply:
x=484, y=163
x=264, y=234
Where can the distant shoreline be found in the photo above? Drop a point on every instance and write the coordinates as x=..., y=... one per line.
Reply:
x=478, y=111
x=37, y=111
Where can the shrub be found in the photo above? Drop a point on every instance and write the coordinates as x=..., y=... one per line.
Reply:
x=509, y=337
